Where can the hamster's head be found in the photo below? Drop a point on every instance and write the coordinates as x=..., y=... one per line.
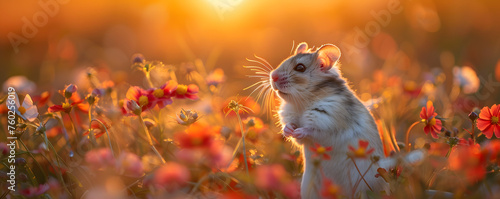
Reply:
x=307, y=74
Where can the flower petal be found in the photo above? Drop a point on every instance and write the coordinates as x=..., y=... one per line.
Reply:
x=133, y=93
x=192, y=88
x=31, y=113
x=434, y=134
x=423, y=113
x=488, y=132
x=495, y=110
x=27, y=102
x=483, y=123
x=427, y=129
x=430, y=109
x=496, y=128
x=363, y=143
x=55, y=108
x=485, y=113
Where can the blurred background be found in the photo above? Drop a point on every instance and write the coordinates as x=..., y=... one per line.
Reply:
x=51, y=42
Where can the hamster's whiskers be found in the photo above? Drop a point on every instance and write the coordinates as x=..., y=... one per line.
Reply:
x=265, y=94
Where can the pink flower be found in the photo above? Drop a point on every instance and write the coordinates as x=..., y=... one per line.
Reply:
x=183, y=91
x=171, y=176
x=143, y=98
x=163, y=94
x=129, y=164
x=4, y=149
x=100, y=158
x=270, y=177
x=35, y=191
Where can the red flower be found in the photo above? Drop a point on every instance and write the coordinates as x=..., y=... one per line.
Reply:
x=184, y=91
x=433, y=125
x=362, y=151
x=65, y=107
x=320, y=151
x=488, y=121
x=329, y=189
x=144, y=99
x=42, y=99
x=163, y=94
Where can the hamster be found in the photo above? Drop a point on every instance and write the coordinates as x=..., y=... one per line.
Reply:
x=319, y=107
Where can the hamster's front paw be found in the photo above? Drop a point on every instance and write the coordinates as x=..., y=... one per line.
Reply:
x=300, y=133
x=289, y=129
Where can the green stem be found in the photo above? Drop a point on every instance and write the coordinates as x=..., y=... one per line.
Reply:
x=472, y=133
x=107, y=134
x=91, y=135
x=206, y=177
x=33, y=157
x=408, y=147
x=74, y=127
x=150, y=138
x=243, y=141
x=59, y=173
x=148, y=77
x=362, y=176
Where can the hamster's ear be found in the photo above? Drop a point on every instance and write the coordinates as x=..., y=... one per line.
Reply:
x=328, y=54
x=301, y=48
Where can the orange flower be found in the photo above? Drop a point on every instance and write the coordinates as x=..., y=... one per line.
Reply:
x=469, y=161
x=433, y=125
x=196, y=136
x=362, y=151
x=488, y=121
x=320, y=151
x=255, y=127
x=329, y=189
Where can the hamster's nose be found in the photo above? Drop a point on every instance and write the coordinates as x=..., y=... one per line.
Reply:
x=274, y=76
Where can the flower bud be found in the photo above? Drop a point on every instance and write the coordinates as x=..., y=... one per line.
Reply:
x=134, y=107
x=250, y=122
x=41, y=129
x=69, y=90
x=225, y=132
x=473, y=116
x=91, y=99
x=138, y=59
x=427, y=146
x=20, y=161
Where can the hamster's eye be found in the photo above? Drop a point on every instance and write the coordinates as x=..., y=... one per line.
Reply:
x=300, y=68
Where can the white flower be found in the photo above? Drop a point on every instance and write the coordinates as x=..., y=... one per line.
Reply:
x=466, y=78
x=20, y=83
x=27, y=110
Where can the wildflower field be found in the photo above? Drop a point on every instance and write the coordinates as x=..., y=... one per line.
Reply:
x=171, y=99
